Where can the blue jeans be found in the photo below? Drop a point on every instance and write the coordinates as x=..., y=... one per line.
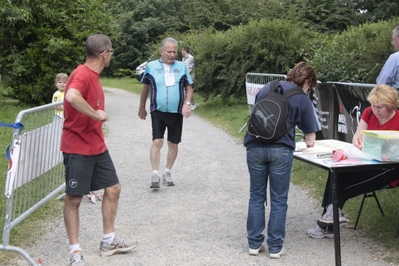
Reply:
x=274, y=162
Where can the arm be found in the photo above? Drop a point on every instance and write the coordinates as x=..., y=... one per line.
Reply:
x=143, y=99
x=191, y=64
x=310, y=139
x=186, y=110
x=77, y=101
x=357, y=137
x=388, y=72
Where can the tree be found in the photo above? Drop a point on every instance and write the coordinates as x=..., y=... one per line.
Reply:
x=375, y=10
x=144, y=23
x=43, y=37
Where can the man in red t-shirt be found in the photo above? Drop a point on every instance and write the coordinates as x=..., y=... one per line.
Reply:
x=88, y=165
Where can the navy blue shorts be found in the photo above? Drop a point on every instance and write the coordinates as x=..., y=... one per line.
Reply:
x=172, y=121
x=88, y=173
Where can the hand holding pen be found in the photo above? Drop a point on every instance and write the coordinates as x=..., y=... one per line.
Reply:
x=359, y=143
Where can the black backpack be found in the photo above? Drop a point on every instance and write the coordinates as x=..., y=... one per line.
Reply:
x=269, y=115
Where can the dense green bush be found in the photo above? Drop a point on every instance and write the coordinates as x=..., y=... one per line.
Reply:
x=274, y=46
x=355, y=55
x=41, y=38
x=223, y=58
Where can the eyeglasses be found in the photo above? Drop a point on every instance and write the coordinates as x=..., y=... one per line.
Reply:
x=109, y=51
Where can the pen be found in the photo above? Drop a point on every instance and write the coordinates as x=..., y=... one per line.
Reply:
x=359, y=142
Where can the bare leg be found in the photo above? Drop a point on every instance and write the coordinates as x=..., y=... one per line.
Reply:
x=109, y=207
x=172, y=154
x=71, y=217
x=155, y=153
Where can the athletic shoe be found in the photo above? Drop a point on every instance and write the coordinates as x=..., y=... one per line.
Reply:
x=93, y=197
x=76, y=258
x=256, y=251
x=155, y=181
x=328, y=218
x=277, y=255
x=99, y=197
x=118, y=245
x=319, y=233
x=167, y=179
x=193, y=106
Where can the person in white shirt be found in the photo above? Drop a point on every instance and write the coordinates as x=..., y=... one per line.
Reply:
x=188, y=59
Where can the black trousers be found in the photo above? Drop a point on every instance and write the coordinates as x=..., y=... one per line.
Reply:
x=353, y=184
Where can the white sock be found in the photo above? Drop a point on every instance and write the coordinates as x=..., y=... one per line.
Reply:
x=155, y=172
x=166, y=170
x=108, y=238
x=72, y=248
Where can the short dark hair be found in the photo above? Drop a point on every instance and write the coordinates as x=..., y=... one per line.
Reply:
x=187, y=49
x=97, y=43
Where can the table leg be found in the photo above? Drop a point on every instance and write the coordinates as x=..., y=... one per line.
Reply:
x=337, y=238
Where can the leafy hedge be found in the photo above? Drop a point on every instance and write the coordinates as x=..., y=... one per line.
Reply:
x=222, y=59
x=355, y=55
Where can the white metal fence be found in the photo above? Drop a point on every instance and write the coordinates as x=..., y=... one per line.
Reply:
x=254, y=82
x=35, y=172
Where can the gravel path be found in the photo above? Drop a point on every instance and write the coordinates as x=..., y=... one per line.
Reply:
x=199, y=221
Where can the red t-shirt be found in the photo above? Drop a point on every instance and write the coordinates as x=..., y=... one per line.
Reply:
x=372, y=124
x=81, y=134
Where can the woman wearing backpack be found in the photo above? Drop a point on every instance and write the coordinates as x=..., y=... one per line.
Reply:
x=274, y=160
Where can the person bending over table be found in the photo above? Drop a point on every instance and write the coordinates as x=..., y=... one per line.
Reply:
x=381, y=115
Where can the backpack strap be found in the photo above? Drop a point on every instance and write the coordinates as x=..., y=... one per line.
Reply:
x=293, y=91
x=274, y=85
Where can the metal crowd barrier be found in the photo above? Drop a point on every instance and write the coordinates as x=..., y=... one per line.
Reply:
x=35, y=172
x=254, y=82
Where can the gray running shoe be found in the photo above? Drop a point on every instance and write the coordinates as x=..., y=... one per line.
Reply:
x=118, y=245
x=155, y=180
x=76, y=258
x=319, y=233
x=167, y=179
x=328, y=218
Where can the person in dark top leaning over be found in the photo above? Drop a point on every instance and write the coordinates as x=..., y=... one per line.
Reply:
x=274, y=161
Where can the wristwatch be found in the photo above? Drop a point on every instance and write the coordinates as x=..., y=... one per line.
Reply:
x=188, y=103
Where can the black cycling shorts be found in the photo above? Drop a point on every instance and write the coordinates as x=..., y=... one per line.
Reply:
x=172, y=121
x=88, y=173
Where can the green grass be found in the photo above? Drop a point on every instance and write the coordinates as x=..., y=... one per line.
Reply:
x=230, y=116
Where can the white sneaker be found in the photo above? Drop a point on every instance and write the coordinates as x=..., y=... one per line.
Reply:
x=76, y=258
x=193, y=106
x=277, y=255
x=256, y=251
x=167, y=179
x=155, y=181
